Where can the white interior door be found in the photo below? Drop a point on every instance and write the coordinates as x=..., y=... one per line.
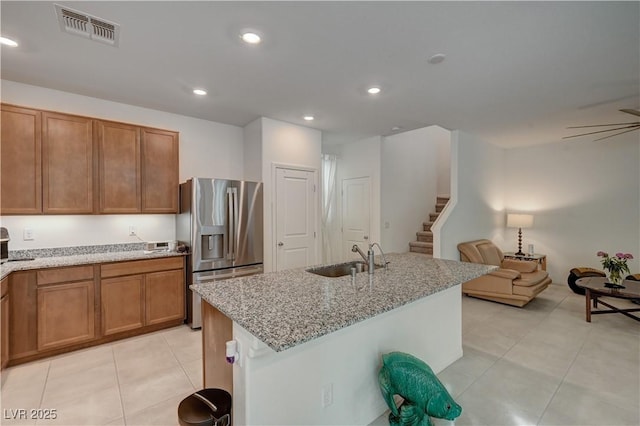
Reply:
x=295, y=218
x=356, y=215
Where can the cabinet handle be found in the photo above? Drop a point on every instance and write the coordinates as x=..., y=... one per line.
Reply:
x=280, y=244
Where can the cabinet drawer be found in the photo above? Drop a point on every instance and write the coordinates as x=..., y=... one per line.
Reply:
x=65, y=275
x=140, y=266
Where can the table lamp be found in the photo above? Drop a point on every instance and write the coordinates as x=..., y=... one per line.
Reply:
x=519, y=221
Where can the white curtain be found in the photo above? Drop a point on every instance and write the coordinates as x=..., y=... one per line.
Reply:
x=329, y=165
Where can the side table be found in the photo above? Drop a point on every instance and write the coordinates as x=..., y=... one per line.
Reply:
x=540, y=258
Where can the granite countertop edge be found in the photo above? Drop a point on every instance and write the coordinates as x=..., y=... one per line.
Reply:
x=82, y=259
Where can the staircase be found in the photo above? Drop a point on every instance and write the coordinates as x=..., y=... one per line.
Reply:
x=424, y=243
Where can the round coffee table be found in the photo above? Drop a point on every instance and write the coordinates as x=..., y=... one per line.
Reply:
x=595, y=288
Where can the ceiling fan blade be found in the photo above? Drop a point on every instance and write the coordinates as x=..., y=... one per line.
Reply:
x=635, y=126
x=631, y=111
x=602, y=125
x=610, y=136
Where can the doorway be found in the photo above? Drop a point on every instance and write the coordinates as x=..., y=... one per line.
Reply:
x=295, y=211
x=356, y=215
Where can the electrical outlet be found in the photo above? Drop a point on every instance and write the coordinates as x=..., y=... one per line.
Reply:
x=132, y=231
x=27, y=234
x=327, y=395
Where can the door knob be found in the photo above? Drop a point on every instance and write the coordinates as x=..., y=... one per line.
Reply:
x=280, y=244
x=366, y=237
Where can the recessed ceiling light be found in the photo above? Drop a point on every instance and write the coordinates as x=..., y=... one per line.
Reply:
x=373, y=90
x=251, y=38
x=437, y=58
x=8, y=42
x=200, y=92
x=396, y=128
x=309, y=117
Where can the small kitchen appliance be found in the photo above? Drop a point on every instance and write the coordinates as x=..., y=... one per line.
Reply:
x=220, y=222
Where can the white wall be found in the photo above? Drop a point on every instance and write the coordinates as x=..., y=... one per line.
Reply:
x=361, y=158
x=207, y=149
x=585, y=197
x=477, y=194
x=294, y=146
x=415, y=170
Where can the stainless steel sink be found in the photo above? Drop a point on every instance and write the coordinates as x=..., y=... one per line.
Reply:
x=341, y=269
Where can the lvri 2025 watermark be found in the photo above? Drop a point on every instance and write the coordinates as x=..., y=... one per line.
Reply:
x=29, y=413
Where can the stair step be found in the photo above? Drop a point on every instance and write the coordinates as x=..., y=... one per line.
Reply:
x=433, y=216
x=420, y=247
x=440, y=207
x=425, y=236
x=426, y=226
x=442, y=200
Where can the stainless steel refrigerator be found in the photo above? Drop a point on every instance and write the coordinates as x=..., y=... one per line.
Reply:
x=221, y=223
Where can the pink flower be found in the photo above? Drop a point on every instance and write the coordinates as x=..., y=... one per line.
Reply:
x=602, y=254
x=620, y=255
x=628, y=256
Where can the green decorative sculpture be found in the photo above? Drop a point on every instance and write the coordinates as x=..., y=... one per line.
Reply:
x=424, y=395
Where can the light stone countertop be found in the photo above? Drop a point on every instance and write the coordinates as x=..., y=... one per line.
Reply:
x=81, y=259
x=288, y=308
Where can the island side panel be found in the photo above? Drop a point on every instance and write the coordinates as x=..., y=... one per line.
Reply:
x=286, y=388
x=217, y=329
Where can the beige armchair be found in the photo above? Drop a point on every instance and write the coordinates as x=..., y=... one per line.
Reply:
x=516, y=282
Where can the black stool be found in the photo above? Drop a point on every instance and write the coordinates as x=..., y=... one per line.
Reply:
x=207, y=407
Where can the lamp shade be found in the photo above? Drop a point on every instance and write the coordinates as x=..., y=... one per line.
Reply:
x=519, y=220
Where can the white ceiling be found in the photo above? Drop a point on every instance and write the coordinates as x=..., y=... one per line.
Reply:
x=516, y=73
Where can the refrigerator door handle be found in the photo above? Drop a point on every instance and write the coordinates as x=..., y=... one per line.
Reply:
x=232, y=201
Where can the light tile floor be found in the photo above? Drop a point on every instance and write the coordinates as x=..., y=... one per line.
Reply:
x=541, y=364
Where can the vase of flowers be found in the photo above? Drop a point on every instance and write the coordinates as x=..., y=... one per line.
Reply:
x=616, y=266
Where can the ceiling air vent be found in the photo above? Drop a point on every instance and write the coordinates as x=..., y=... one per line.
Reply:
x=85, y=25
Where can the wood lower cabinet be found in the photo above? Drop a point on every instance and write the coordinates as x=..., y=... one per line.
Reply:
x=122, y=304
x=164, y=296
x=4, y=323
x=50, y=311
x=66, y=306
x=67, y=164
x=23, y=319
x=142, y=293
x=159, y=171
x=21, y=171
x=65, y=314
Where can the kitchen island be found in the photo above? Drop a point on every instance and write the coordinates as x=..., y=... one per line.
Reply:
x=310, y=346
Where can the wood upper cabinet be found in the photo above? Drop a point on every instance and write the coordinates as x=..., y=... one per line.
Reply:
x=67, y=164
x=66, y=306
x=159, y=171
x=21, y=171
x=119, y=167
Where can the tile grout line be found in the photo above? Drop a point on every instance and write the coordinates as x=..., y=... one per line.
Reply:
x=180, y=364
x=115, y=363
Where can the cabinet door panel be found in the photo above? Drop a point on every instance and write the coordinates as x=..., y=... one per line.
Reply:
x=65, y=314
x=122, y=304
x=164, y=296
x=4, y=331
x=159, y=171
x=67, y=156
x=23, y=309
x=119, y=166
x=21, y=171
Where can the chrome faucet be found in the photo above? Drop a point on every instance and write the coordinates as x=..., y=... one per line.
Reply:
x=369, y=258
